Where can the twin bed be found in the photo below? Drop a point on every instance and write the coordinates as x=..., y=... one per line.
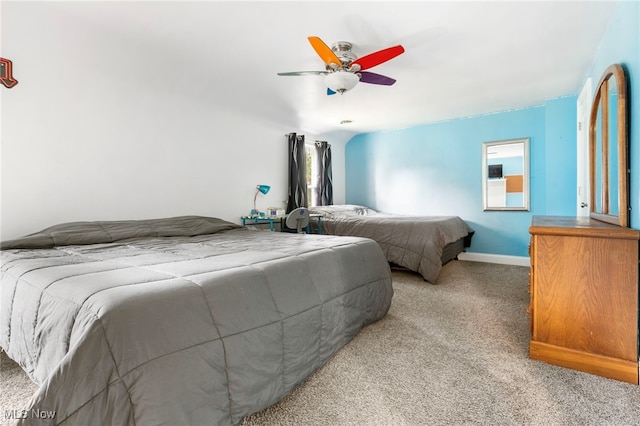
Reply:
x=196, y=320
x=419, y=243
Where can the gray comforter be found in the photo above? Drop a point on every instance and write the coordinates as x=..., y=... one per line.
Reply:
x=190, y=320
x=413, y=242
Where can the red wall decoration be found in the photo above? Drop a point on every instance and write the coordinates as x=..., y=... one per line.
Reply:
x=6, y=73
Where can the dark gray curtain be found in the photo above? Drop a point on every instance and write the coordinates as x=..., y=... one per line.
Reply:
x=324, y=185
x=297, y=173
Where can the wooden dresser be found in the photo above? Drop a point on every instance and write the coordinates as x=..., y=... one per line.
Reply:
x=584, y=296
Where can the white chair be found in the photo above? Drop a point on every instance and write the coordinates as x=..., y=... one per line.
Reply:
x=298, y=219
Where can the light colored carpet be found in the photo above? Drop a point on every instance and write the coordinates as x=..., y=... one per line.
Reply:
x=452, y=353
x=15, y=387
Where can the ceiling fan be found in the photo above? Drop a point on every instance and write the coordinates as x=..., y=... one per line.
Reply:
x=343, y=69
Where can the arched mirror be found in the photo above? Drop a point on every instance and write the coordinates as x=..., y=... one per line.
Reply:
x=608, y=149
x=505, y=174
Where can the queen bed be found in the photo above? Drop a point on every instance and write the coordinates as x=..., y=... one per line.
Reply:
x=187, y=320
x=418, y=243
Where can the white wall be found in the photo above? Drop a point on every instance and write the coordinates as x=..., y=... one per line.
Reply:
x=102, y=127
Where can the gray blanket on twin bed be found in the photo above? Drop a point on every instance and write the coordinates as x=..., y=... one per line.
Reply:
x=189, y=320
x=413, y=242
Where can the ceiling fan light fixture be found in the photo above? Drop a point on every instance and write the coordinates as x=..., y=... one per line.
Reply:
x=341, y=81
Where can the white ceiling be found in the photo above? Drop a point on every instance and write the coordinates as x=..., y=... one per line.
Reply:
x=461, y=58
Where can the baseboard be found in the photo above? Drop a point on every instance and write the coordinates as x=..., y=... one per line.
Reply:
x=495, y=258
x=613, y=368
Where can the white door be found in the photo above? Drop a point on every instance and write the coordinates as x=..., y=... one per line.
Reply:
x=584, y=110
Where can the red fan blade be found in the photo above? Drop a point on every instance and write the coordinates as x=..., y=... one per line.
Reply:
x=324, y=51
x=376, y=58
x=373, y=78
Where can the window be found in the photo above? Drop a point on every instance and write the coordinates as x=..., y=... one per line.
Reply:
x=310, y=154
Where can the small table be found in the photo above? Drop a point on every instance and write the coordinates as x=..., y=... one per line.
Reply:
x=272, y=220
x=257, y=220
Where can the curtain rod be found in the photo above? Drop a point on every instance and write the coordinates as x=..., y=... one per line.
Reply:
x=287, y=134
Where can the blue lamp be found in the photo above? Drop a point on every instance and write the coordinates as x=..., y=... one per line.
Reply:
x=259, y=188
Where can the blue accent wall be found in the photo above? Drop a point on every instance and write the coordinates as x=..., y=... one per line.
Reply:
x=559, y=163
x=436, y=169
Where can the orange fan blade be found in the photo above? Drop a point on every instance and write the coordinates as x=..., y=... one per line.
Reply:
x=376, y=58
x=324, y=51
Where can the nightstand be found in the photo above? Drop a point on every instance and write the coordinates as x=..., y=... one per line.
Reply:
x=261, y=220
